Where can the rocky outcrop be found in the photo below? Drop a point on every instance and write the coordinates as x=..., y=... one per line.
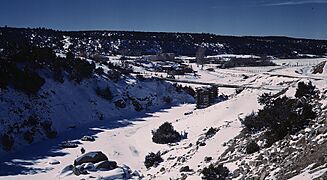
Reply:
x=96, y=164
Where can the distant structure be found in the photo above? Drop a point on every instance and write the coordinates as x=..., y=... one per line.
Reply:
x=160, y=57
x=205, y=96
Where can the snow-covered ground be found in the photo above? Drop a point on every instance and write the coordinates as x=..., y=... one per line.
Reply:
x=128, y=139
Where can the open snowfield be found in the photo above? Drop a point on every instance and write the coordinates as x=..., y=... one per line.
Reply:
x=129, y=144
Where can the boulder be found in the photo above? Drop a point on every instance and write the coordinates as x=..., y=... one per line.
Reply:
x=67, y=144
x=127, y=171
x=88, y=138
x=106, y=165
x=91, y=157
x=54, y=162
x=78, y=170
x=88, y=166
x=67, y=169
x=117, y=173
x=137, y=174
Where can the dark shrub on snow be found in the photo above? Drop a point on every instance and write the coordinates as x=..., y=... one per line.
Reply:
x=252, y=147
x=280, y=117
x=305, y=90
x=31, y=121
x=81, y=69
x=47, y=127
x=211, y=132
x=153, y=159
x=120, y=103
x=137, y=106
x=165, y=134
x=27, y=81
x=252, y=122
x=104, y=93
x=29, y=137
x=7, y=142
x=215, y=172
x=114, y=75
x=167, y=99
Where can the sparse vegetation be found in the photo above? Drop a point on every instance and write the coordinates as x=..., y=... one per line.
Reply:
x=104, y=93
x=7, y=142
x=165, y=134
x=120, y=103
x=153, y=159
x=47, y=127
x=137, y=106
x=215, y=172
x=29, y=137
x=211, y=132
x=280, y=117
x=305, y=90
x=167, y=99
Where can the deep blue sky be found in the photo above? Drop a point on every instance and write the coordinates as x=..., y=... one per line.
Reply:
x=296, y=18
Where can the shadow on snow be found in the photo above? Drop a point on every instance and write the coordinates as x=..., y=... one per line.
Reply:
x=22, y=161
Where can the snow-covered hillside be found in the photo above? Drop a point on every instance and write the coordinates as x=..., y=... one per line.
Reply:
x=140, y=43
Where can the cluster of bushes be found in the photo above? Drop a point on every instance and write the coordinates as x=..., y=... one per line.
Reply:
x=281, y=116
x=28, y=128
x=104, y=93
x=37, y=57
x=137, y=105
x=7, y=142
x=165, y=134
x=167, y=99
x=23, y=79
x=33, y=58
x=48, y=130
x=120, y=103
x=81, y=69
x=215, y=172
x=306, y=90
x=153, y=159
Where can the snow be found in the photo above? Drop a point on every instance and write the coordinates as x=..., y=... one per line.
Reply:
x=125, y=136
x=66, y=42
x=309, y=173
x=233, y=56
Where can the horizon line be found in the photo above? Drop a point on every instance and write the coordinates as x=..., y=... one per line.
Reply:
x=154, y=31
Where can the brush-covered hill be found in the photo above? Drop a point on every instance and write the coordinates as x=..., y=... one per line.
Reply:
x=43, y=94
x=140, y=43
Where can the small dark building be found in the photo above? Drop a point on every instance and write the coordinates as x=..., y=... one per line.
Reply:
x=205, y=96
